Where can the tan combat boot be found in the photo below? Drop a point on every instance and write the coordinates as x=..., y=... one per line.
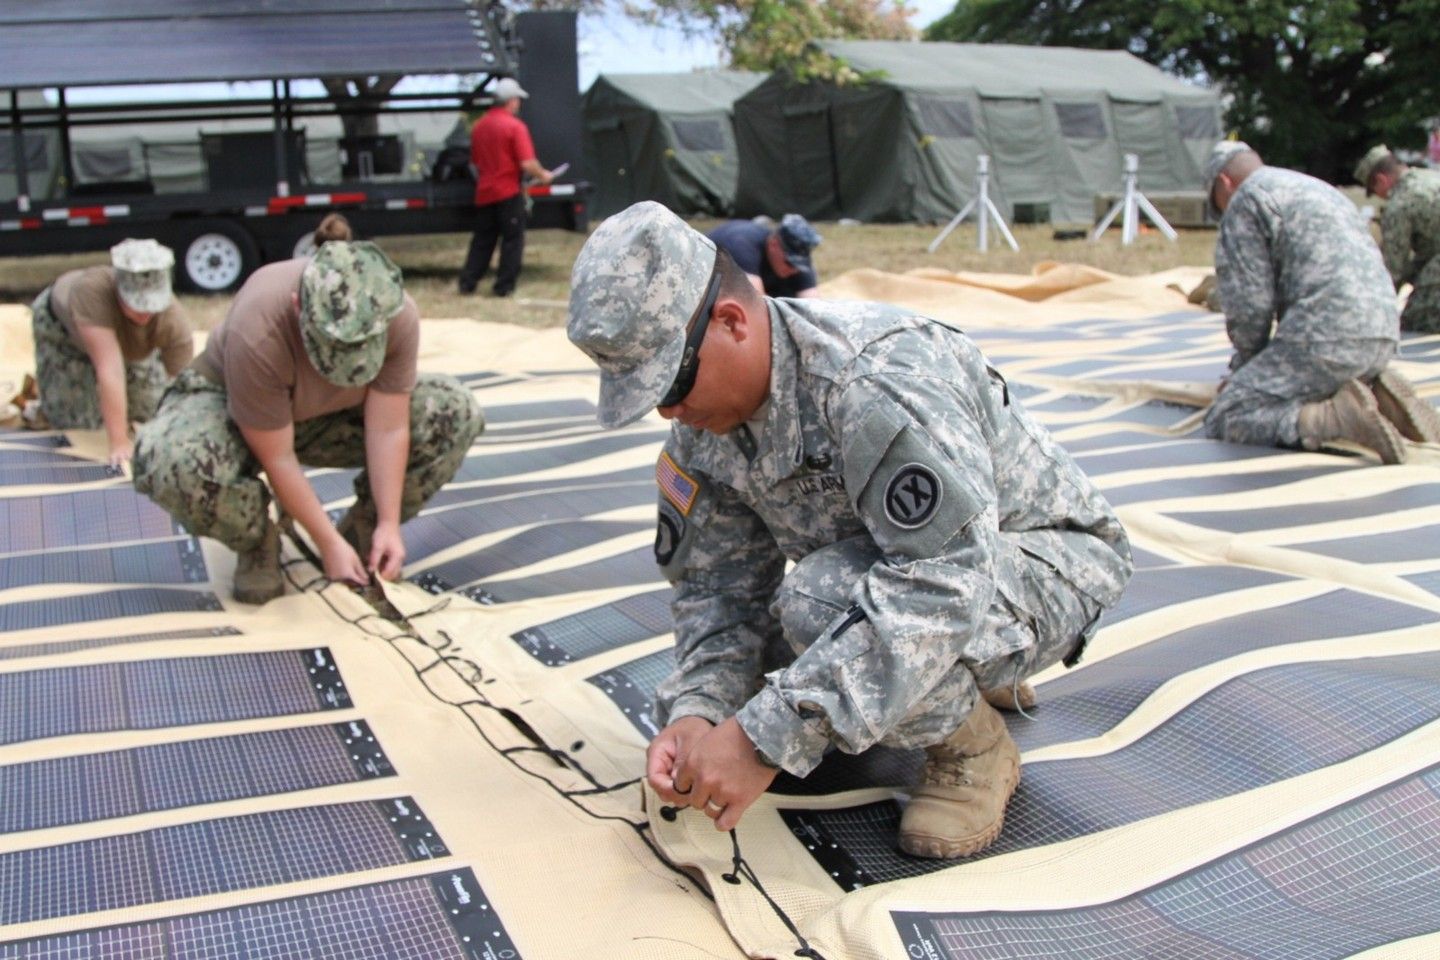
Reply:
x=959, y=807
x=1016, y=699
x=1413, y=417
x=358, y=529
x=1352, y=415
x=257, y=572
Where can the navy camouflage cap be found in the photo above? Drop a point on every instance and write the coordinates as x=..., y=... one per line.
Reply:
x=348, y=293
x=636, y=283
x=1365, y=169
x=142, y=274
x=797, y=238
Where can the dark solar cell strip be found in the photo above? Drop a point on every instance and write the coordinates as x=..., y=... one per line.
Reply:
x=109, y=605
x=121, y=783
x=442, y=916
x=1150, y=590
x=1218, y=484
x=1323, y=511
x=1258, y=729
x=148, y=694
x=214, y=856
x=598, y=630
x=56, y=475
x=495, y=465
x=619, y=570
x=45, y=455
x=47, y=441
x=524, y=548
x=1170, y=453
x=81, y=519
x=641, y=477
x=632, y=687
x=1397, y=546
x=1345, y=882
x=172, y=562
x=93, y=643
x=430, y=533
x=1089, y=702
x=538, y=410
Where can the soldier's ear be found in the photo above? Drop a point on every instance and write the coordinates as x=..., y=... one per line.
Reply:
x=730, y=315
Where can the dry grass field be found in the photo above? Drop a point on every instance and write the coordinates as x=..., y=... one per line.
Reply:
x=432, y=262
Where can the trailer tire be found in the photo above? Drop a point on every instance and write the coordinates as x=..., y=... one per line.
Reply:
x=215, y=257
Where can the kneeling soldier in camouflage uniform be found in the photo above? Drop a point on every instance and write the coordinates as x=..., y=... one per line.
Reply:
x=314, y=364
x=943, y=543
x=1311, y=314
x=107, y=341
x=1410, y=231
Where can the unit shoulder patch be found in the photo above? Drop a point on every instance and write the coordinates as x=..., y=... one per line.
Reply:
x=912, y=496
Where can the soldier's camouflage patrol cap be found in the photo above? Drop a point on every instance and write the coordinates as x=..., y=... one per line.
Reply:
x=1365, y=169
x=348, y=293
x=637, y=282
x=1220, y=156
x=142, y=274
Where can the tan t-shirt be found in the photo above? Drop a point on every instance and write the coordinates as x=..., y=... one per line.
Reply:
x=87, y=298
x=268, y=377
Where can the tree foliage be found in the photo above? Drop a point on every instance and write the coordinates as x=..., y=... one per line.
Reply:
x=777, y=34
x=1311, y=83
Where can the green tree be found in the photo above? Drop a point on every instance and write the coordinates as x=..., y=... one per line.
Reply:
x=777, y=34
x=1311, y=84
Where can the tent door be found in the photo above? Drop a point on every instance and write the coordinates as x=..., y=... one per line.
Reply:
x=814, y=183
x=612, y=153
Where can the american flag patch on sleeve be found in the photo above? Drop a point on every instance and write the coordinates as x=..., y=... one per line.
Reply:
x=678, y=488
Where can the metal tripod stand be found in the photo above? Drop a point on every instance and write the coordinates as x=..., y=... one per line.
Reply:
x=1133, y=202
x=984, y=209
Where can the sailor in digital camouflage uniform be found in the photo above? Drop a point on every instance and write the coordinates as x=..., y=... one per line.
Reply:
x=943, y=543
x=315, y=364
x=1410, y=232
x=107, y=341
x=1311, y=315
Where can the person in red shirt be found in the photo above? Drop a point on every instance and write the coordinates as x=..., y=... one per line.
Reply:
x=501, y=151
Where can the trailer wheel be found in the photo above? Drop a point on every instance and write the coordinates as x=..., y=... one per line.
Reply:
x=217, y=256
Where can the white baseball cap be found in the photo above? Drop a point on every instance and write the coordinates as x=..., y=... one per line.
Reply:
x=508, y=89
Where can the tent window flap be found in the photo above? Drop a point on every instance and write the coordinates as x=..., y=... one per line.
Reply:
x=945, y=118
x=1081, y=121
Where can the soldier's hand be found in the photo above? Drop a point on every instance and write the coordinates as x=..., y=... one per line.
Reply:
x=387, y=550
x=121, y=453
x=342, y=563
x=666, y=750
x=722, y=774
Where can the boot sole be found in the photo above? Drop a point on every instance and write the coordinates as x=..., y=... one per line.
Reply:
x=1412, y=415
x=952, y=848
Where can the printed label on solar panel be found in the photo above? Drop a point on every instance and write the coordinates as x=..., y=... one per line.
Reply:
x=149, y=694
x=442, y=916
x=632, y=687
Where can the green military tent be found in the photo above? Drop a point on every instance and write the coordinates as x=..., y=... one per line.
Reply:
x=1055, y=122
x=665, y=137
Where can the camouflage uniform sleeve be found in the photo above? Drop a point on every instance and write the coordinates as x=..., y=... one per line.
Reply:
x=923, y=602
x=1395, y=230
x=1247, y=277
x=724, y=566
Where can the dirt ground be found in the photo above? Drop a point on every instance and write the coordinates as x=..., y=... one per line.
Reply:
x=432, y=262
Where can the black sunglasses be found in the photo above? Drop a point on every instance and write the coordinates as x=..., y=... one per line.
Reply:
x=694, y=336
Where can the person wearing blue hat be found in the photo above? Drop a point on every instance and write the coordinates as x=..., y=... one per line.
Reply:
x=777, y=261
